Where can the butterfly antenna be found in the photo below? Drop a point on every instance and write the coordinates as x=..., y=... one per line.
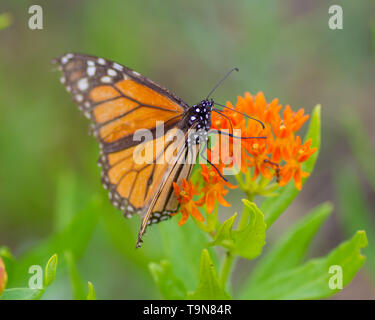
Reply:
x=220, y=82
x=244, y=114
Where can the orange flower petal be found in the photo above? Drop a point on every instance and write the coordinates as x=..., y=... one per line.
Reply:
x=210, y=201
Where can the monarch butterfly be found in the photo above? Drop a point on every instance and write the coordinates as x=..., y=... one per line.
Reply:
x=120, y=101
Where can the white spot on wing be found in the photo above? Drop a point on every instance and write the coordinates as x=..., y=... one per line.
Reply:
x=117, y=66
x=66, y=58
x=79, y=97
x=91, y=71
x=111, y=72
x=83, y=84
x=106, y=79
x=101, y=61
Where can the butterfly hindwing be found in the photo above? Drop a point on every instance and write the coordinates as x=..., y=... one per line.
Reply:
x=164, y=201
x=133, y=181
x=167, y=202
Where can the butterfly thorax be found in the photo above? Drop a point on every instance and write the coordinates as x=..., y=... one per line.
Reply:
x=198, y=117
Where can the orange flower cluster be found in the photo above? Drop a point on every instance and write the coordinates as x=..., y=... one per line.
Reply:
x=212, y=190
x=278, y=153
x=281, y=153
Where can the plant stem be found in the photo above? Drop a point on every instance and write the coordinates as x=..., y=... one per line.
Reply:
x=227, y=266
x=250, y=196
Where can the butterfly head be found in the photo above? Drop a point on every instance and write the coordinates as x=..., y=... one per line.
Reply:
x=200, y=114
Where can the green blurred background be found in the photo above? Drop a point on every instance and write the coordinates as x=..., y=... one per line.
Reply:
x=48, y=169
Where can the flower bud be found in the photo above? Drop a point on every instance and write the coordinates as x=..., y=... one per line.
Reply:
x=3, y=276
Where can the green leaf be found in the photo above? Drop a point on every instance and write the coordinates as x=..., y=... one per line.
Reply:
x=182, y=248
x=311, y=280
x=360, y=144
x=50, y=271
x=209, y=287
x=290, y=250
x=249, y=239
x=78, y=285
x=22, y=294
x=275, y=206
x=83, y=224
x=91, y=293
x=67, y=198
x=170, y=286
x=5, y=20
x=223, y=236
x=122, y=234
x=5, y=253
x=355, y=211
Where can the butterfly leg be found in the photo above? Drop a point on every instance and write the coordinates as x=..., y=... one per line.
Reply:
x=205, y=158
x=277, y=168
